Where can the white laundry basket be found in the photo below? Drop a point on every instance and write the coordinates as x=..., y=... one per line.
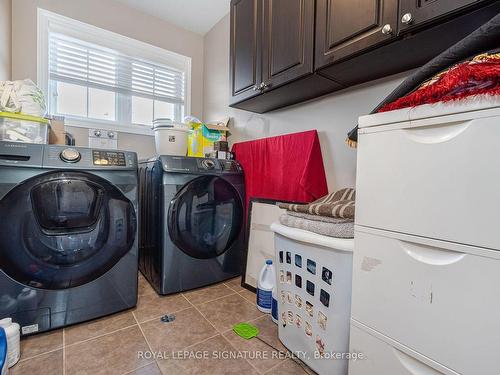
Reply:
x=314, y=297
x=171, y=138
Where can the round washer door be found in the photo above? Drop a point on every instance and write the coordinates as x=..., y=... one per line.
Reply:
x=205, y=217
x=64, y=229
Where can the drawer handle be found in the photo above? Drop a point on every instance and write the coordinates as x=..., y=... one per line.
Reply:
x=431, y=255
x=413, y=365
x=438, y=133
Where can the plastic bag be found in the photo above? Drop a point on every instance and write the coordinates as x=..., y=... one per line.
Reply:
x=22, y=96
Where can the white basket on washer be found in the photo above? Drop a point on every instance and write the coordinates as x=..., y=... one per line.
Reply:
x=314, y=296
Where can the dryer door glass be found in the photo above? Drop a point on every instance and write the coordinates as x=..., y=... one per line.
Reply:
x=205, y=217
x=64, y=229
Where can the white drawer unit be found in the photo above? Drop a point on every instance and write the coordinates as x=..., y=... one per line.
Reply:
x=426, y=270
x=436, y=177
x=384, y=356
x=314, y=293
x=438, y=298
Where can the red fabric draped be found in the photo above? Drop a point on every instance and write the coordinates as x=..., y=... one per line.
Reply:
x=286, y=168
x=481, y=77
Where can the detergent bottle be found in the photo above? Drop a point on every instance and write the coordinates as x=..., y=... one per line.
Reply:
x=265, y=285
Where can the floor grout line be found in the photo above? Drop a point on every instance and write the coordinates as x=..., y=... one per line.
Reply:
x=276, y=365
x=203, y=315
x=64, y=350
x=99, y=336
x=222, y=334
x=147, y=342
x=212, y=300
x=235, y=348
x=40, y=354
x=138, y=368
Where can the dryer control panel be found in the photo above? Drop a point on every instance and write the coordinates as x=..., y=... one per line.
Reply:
x=199, y=165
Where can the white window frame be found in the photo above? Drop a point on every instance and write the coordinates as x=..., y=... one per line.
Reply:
x=53, y=22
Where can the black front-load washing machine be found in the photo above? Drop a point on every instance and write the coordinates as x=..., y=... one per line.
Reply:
x=68, y=234
x=192, y=222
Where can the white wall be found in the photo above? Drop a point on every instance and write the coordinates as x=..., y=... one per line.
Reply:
x=332, y=115
x=5, y=39
x=116, y=17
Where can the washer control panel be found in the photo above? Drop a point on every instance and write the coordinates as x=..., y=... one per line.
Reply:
x=111, y=158
x=57, y=156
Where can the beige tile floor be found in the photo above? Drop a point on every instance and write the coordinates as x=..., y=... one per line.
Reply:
x=204, y=318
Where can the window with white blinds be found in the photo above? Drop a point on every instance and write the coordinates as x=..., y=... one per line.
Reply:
x=95, y=77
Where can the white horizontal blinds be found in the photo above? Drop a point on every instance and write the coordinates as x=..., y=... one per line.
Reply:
x=86, y=64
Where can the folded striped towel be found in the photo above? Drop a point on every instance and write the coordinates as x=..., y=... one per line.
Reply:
x=340, y=204
x=323, y=219
x=340, y=230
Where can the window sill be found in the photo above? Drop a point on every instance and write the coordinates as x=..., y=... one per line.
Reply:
x=93, y=124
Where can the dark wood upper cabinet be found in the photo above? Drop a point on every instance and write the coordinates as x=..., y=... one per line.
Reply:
x=347, y=27
x=245, y=52
x=414, y=13
x=284, y=52
x=287, y=41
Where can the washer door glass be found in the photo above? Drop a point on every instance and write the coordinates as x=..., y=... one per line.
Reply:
x=64, y=229
x=205, y=217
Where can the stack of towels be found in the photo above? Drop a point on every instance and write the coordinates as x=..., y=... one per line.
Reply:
x=331, y=215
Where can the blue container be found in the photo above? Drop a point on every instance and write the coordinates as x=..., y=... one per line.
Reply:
x=3, y=352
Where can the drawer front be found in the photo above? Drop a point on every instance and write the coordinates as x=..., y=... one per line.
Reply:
x=381, y=358
x=439, y=181
x=434, y=297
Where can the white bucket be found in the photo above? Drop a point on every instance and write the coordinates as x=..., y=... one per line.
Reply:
x=171, y=138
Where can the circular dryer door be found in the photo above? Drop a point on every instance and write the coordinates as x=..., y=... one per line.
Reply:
x=205, y=217
x=64, y=229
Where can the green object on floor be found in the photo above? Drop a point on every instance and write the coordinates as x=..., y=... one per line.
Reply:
x=245, y=330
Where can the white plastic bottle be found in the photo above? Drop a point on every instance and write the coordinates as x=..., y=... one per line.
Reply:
x=265, y=285
x=274, y=306
x=13, y=340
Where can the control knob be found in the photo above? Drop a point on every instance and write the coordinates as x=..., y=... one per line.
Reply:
x=70, y=155
x=208, y=164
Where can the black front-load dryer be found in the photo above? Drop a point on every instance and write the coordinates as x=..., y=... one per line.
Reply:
x=68, y=235
x=192, y=222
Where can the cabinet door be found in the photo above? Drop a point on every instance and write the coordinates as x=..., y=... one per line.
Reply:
x=245, y=49
x=346, y=27
x=288, y=41
x=416, y=12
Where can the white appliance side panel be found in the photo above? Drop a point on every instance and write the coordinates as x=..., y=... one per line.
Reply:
x=306, y=324
x=439, y=181
x=261, y=239
x=430, y=298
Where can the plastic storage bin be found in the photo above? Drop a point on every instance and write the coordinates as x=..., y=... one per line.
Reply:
x=170, y=138
x=314, y=297
x=16, y=127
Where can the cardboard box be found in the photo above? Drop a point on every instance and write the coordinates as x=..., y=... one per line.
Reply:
x=201, y=139
x=57, y=132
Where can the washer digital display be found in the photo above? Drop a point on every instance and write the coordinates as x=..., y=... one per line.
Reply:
x=110, y=158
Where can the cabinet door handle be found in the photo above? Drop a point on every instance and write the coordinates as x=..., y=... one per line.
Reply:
x=387, y=29
x=264, y=86
x=407, y=18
